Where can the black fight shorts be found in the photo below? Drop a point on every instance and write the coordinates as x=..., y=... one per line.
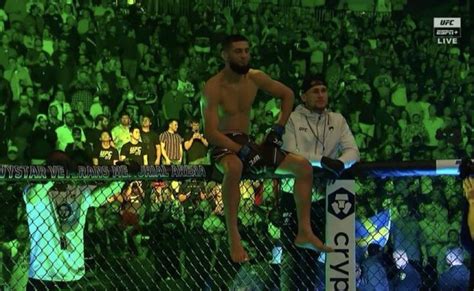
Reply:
x=272, y=156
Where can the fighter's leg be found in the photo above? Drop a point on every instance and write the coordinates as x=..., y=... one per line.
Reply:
x=231, y=166
x=303, y=172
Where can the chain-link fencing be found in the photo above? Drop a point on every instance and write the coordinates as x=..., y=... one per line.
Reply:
x=170, y=234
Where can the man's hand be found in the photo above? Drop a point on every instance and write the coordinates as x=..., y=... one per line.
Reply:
x=275, y=135
x=251, y=158
x=468, y=185
x=334, y=166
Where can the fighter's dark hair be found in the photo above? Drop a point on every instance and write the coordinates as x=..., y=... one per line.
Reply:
x=228, y=40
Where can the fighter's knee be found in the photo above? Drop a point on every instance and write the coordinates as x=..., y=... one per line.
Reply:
x=232, y=166
x=303, y=168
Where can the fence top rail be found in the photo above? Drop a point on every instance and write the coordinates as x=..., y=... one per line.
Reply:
x=379, y=169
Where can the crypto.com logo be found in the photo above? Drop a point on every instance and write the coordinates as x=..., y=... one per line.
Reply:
x=341, y=203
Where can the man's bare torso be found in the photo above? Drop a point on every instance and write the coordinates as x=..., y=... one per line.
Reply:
x=235, y=102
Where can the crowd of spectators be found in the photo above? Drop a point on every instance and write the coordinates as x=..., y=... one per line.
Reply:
x=107, y=83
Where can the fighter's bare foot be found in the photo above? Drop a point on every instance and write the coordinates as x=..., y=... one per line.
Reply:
x=238, y=253
x=312, y=242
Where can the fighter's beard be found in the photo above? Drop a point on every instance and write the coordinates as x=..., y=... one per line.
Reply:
x=241, y=70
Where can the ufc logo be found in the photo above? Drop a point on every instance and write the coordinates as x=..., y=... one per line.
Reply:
x=447, y=22
x=254, y=160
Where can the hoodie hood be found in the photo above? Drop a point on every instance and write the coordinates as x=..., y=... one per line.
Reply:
x=301, y=109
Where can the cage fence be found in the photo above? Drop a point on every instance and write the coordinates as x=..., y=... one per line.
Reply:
x=169, y=234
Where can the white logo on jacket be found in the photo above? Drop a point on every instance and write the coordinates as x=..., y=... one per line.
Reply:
x=305, y=129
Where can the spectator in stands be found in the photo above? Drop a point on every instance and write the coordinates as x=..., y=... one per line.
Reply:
x=53, y=119
x=366, y=121
x=148, y=65
x=41, y=142
x=131, y=211
x=445, y=149
x=414, y=128
x=196, y=145
x=405, y=235
x=105, y=154
x=65, y=134
x=402, y=122
x=13, y=157
x=453, y=242
x=5, y=93
x=22, y=119
x=81, y=89
x=79, y=150
x=64, y=221
x=451, y=133
x=414, y=106
x=42, y=71
x=150, y=141
x=64, y=70
x=171, y=144
x=82, y=117
x=432, y=124
x=6, y=51
x=121, y=132
x=407, y=277
x=35, y=19
x=18, y=75
x=374, y=277
x=3, y=19
x=434, y=227
x=130, y=55
x=93, y=134
x=184, y=85
x=17, y=251
x=134, y=150
x=456, y=277
x=173, y=101
x=61, y=104
x=384, y=114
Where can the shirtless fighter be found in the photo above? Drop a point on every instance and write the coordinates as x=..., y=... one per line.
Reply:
x=226, y=105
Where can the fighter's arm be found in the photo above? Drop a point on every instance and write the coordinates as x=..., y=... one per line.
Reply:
x=278, y=90
x=289, y=137
x=209, y=105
